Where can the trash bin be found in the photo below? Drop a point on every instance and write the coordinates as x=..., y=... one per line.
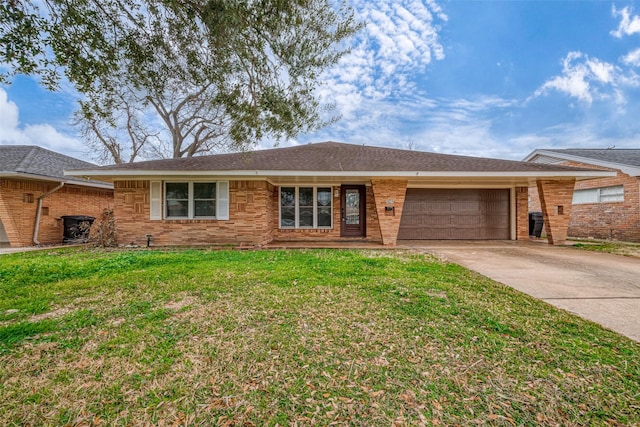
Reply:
x=76, y=228
x=536, y=221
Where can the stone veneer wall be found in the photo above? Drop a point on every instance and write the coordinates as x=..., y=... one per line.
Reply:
x=19, y=203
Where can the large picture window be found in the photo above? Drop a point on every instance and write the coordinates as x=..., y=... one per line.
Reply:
x=306, y=207
x=190, y=200
x=599, y=195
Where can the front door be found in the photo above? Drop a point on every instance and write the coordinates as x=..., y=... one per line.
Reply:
x=352, y=215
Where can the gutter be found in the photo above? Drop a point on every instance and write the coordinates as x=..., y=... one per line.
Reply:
x=36, y=228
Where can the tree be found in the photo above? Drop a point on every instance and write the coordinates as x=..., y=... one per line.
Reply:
x=215, y=71
x=181, y=123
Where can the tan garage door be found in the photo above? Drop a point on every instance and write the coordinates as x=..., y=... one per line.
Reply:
x=469, y=214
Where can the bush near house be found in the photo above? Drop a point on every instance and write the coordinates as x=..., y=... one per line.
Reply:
x=310, y=337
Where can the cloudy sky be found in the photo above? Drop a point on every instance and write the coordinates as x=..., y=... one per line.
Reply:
x=482, y=78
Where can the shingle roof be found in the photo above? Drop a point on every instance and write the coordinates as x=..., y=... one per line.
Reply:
x=336, y=157
x=33, y=160
x=623, y=156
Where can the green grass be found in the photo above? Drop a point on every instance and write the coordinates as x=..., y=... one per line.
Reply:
x=616, y=248
x=309, y=337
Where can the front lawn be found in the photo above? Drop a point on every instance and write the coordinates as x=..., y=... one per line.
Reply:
x=309, y=337
x=616, y=248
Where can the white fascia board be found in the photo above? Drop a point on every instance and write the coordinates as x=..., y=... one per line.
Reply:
x=629, y=170
x=21, y=175
x=376, y=174
x=532, y=155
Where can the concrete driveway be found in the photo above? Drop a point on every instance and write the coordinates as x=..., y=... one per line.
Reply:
x=600, y=287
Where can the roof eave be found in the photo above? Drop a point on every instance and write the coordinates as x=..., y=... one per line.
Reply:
x=23, y=175
x=397, y=174
x=627, y=169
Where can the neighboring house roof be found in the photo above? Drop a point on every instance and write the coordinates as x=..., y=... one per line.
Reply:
x=32, y=162
x=625, y=159
x=336, y=159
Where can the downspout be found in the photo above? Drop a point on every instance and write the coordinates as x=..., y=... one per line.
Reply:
x=39, y=211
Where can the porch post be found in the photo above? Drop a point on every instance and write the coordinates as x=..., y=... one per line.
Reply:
x=556, y=197
x=389, y=197
x=522, y=213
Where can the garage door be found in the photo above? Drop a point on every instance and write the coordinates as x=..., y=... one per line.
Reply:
x=469, y=214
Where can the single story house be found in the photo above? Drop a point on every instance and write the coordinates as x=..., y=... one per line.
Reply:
x=333, y=192
x=35, y=194
x=603, y=208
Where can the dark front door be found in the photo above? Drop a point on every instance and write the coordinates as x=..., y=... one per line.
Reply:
x=352, y=212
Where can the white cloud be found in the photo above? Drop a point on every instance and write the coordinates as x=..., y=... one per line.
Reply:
x=398, y=41
x=453, y=126
x=632, y=58
x=628, y=24
x=43, y=135
x=585, y=78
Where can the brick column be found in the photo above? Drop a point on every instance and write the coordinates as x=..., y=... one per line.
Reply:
x=393, y=191
x=555, y=198
x=522, y=213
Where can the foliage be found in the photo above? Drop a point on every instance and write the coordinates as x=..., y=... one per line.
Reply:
x=321, y=337
x=216, y=72
x=103, y=232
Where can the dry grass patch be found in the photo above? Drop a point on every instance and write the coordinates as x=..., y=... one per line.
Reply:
x=296, y=338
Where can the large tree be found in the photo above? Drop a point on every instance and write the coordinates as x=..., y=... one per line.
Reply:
x=216, y=71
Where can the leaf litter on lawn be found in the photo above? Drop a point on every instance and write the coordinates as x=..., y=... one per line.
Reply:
x=305, y=338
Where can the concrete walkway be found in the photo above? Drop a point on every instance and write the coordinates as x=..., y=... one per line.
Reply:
x=601, y=287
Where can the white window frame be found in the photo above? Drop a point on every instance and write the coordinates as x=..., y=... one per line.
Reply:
x=597, y=195
x=297, y=208
x=219, y=200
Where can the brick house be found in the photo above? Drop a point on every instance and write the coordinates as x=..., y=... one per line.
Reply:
x=603, y=208
x=34, y=194
x=332, y=192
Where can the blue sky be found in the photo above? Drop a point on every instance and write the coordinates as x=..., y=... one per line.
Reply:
x=482, y=78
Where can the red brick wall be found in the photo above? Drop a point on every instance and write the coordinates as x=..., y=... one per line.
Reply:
x=522, y=213
x=389, y=189
x=250, y=217
x=555, y=198
x=618, y=221
x=253, y=218
x=18, y=215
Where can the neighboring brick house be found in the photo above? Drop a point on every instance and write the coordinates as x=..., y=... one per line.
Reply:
x=33, y=186
x=603, y=208
x=331, y=192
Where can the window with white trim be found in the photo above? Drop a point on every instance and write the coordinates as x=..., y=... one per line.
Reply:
x=599, y=195
x=306, y=207
x=194, y=200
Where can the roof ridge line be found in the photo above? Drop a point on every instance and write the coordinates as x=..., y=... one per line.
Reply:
x=26, y=160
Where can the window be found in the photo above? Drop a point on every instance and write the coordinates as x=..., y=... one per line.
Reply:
x=306, y=207
x=193, y=200
x=599, y=195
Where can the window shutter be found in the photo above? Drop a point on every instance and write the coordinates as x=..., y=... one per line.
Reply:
x=155, y=193
x=222, y=200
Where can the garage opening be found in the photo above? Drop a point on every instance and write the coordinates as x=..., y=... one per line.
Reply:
x=455, y=214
